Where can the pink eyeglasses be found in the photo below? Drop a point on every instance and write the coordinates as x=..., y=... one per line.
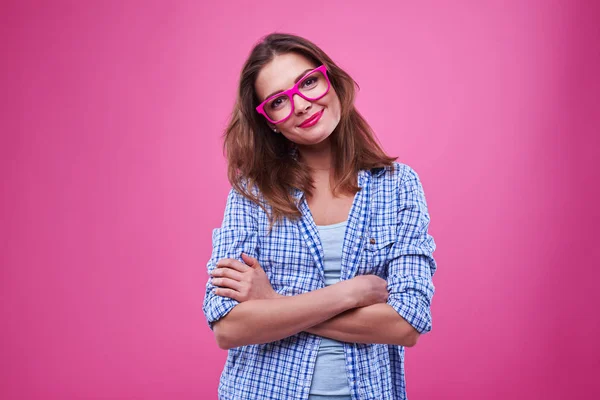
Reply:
x=280, y=106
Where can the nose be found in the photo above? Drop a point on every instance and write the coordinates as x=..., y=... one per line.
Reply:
x=301, y=105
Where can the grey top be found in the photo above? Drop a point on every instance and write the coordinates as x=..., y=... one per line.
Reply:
x=329, y=378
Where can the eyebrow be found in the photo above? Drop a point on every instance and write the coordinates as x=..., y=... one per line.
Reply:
x=295, y=81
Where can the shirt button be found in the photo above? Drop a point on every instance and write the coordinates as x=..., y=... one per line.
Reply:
x=372, y=241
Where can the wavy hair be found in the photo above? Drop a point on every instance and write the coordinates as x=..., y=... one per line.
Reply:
x=261, y=159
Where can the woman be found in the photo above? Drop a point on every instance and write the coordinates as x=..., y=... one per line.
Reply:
x=321, y=271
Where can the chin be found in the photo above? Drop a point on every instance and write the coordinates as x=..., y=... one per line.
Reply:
x=315, y=137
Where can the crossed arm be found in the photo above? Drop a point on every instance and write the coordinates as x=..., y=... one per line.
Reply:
x=378, y=323
x=244, y=308
x=350, y=311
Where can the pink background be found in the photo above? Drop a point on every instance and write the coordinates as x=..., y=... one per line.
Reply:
x=112, y=178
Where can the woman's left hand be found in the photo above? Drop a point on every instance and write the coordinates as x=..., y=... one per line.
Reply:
x=242, y=282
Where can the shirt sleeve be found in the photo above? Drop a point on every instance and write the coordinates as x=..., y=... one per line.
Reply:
x=411, y=264
x=237, y=235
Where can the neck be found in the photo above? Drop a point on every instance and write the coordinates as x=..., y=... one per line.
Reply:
x=318, y=157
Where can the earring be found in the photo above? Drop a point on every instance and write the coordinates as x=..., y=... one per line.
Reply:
x=274, y=129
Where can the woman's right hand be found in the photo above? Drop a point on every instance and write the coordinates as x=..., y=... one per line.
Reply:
x=367, y=290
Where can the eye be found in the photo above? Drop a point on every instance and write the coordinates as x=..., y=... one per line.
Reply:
x=278, y=102
x=309, y=82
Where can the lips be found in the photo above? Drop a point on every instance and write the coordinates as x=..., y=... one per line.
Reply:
x=311, y=120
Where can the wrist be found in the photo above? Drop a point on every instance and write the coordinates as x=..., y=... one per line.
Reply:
x=347, y=294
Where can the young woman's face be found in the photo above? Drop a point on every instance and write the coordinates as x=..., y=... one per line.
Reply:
x=281, y=74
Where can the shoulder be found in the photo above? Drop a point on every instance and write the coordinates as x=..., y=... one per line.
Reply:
x=398, y=181
x=398, y=173
x=238, y=198
x=243, y=192
x=247, y=201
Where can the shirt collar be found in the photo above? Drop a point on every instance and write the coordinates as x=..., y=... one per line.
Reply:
x=362, y=175
x=377, y=172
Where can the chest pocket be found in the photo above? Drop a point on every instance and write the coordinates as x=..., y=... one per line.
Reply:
x=378, y=242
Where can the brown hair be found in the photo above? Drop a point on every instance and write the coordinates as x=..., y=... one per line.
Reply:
x=257, y=157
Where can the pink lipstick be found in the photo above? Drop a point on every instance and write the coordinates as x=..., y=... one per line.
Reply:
x=312, y=120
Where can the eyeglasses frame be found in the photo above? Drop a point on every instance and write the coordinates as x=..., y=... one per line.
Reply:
x=292, y=91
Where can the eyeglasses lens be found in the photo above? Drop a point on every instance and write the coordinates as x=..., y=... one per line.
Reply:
x=312, y=87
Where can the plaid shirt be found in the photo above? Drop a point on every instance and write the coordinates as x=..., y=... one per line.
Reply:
x=386, y=235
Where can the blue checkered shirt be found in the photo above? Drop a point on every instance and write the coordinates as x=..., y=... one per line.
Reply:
x=386, y=235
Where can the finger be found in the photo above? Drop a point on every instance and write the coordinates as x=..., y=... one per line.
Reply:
x=226, y=283
x=233, y=264
x=251, y=261
x=227, y=272
x=232, y=294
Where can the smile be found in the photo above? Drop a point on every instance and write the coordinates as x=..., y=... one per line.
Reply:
x=312, y=120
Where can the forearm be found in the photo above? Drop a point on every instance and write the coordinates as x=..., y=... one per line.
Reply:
x=262, y=321
x=378, y=323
